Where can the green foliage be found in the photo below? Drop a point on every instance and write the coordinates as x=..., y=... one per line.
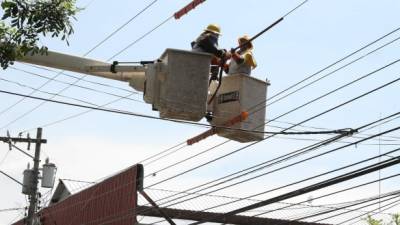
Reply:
x=372, y=221
x=396, y=219
x=24, y=21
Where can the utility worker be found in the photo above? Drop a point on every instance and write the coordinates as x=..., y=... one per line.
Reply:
x=242, y=61
x=208, y=42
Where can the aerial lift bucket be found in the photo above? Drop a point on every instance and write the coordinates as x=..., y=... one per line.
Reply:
x=238, y=94
x=177, y=85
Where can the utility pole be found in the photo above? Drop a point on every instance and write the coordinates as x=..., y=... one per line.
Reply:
x=31, y=176
x=33, y=194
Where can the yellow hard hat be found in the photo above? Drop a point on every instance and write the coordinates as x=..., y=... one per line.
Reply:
x=245, y=38
x=214, y=28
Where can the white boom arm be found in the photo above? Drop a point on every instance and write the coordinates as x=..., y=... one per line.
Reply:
x=135, y=75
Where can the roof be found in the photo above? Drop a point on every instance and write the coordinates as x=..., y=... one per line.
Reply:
x=112, y=201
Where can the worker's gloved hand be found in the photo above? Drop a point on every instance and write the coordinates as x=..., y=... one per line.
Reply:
x=227, y=55
x=236, y=56
x=226, y=68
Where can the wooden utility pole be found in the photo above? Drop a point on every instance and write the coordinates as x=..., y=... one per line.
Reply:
x=33, y=194
x=33, y=187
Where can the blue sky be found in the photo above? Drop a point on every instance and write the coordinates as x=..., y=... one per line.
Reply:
x=98, y=144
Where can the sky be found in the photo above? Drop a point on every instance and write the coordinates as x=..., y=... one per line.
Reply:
x=95, y=145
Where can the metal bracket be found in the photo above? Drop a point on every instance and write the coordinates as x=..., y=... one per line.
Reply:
x=112, y=67
x=29, y=141
x=9, y=141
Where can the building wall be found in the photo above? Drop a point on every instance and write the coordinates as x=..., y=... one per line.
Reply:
x=112, y=201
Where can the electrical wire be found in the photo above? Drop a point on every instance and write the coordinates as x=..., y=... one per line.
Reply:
x=292, y=205
x=327, y=67
x=272, y=171
x=54, y=77
x=113, y=101
x=82, y=80
x=4, y=158
x=10, y=209
x=80, y=181
x=134, y=213
x=317, y=186
x=140, y=38
x=335, y=63
x=342, y=207
x=342, y=131
x=385, y=178
x=304, y=121
x=355, y=209
x=78, y=86
x=275, y=170
x=169, y=200
x=337, y=192
x=121, y=27
x=46, y=92
x=334, y=71
x=387, y=206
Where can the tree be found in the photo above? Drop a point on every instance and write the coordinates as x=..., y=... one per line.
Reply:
x=372, y=221
x=396, y=219
x=24, y=22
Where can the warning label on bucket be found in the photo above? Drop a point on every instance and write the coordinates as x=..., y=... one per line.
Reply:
x=228, y=97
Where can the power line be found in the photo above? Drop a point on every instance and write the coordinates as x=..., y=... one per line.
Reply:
x=82, y=80
x=12, y=178
x=396, y=196
x=46, y=92
x=345, y=208
x=304, y=121
x=387, y=206
x=334, y=71
x=113, y=101
x=326, y=195
x=140, y=38
x=335, y=63
x=75, y=85
x=291, y=206
x=309, y=102
x=325, y=68
x=10, y=209
x=337, y=192
x=359, y=135
x=79, y=181
x=342, y=131
x=317, y=186
x=285, y=167
x=120, y=27
x=369, y=124
x=168, y=201
x=384, y=178
x=62, y=90
x=299, y=152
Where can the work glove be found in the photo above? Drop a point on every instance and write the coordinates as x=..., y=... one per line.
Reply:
x=236, y=56
x=226, y=55
x=226, y=68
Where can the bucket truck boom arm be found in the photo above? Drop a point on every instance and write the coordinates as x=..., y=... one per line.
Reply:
x=135, y=75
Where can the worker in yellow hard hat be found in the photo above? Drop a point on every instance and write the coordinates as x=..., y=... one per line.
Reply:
x=243, y=60
x=208, y=42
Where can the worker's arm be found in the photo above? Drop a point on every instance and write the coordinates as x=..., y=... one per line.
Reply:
x=210, y=44
x=238, y=58
x=249, y=60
